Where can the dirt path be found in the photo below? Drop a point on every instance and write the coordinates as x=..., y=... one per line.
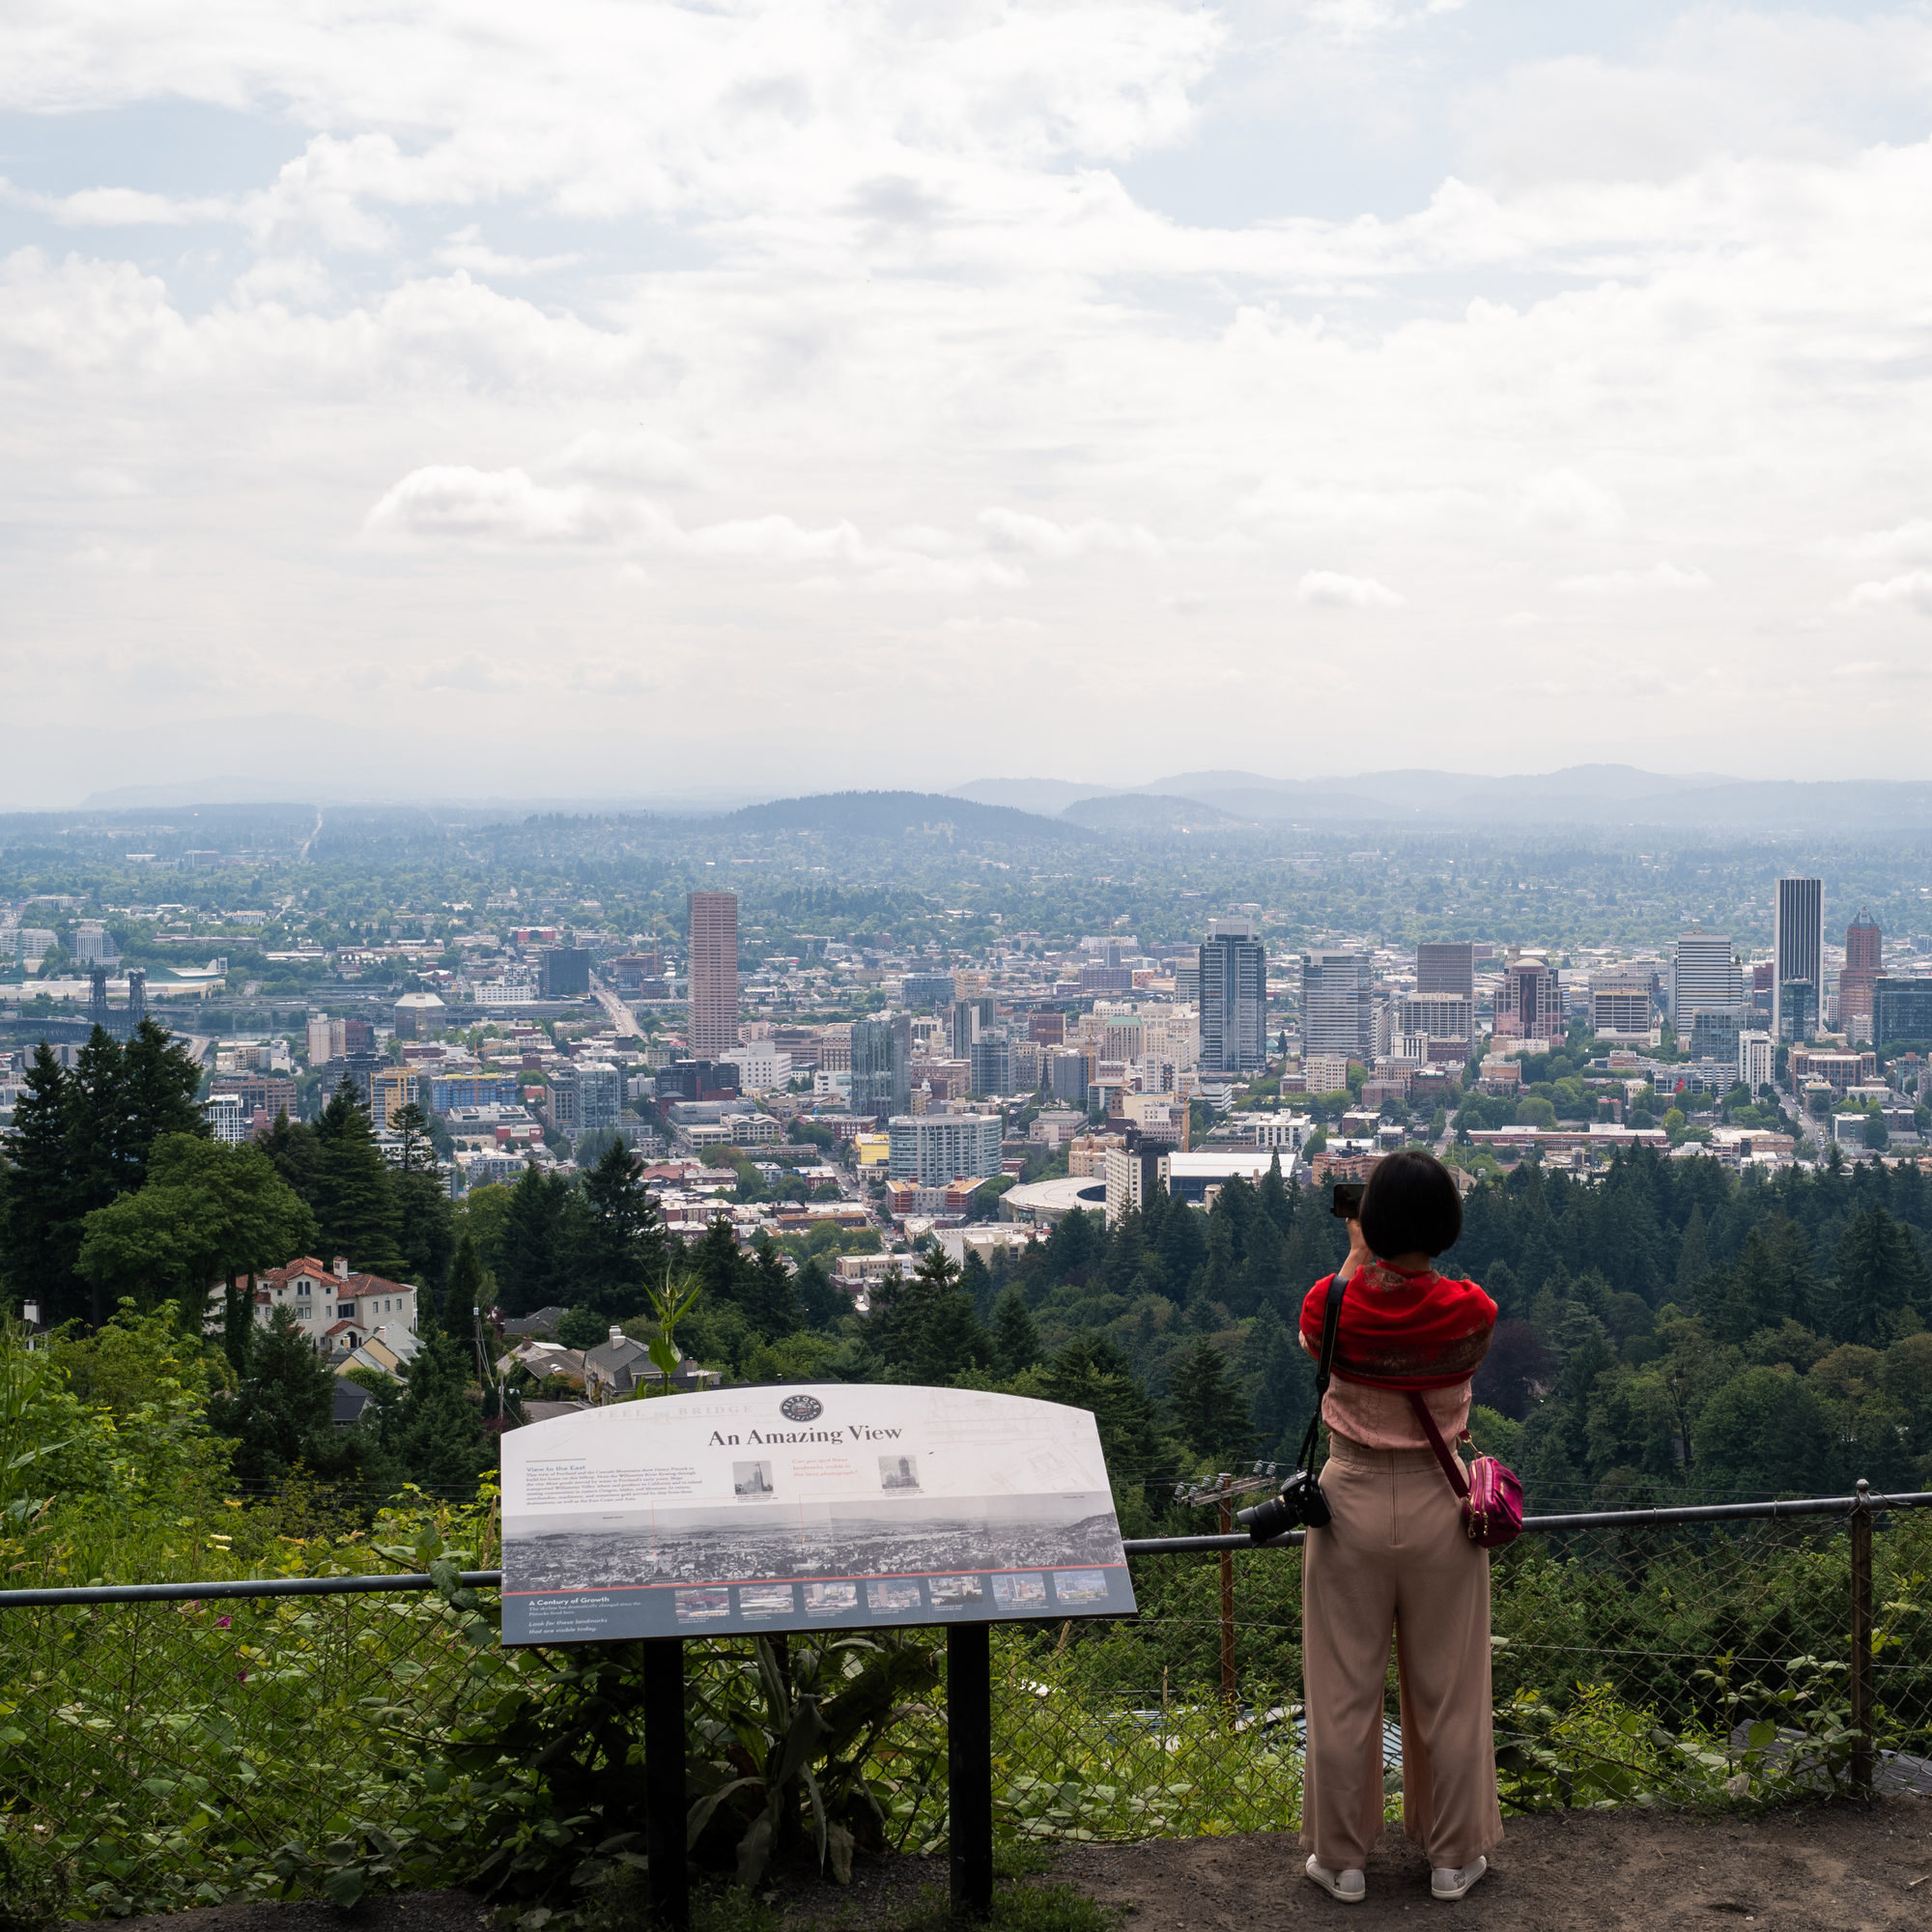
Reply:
x=1836, y=1868
x=1830, y=1868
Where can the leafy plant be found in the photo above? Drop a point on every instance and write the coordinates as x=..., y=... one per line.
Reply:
x=797, y=1728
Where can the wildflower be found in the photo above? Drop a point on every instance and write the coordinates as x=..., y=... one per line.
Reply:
x=222, y=1622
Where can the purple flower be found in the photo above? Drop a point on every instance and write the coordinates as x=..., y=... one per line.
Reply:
x=222, y=1622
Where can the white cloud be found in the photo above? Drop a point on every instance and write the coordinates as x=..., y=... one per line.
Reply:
x=634, y=319
x=1566, y=503
x=1913, y=592
x=1332, y=588
x=1659, y=577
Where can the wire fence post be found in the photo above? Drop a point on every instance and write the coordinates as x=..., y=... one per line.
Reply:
x=669, y=1887
x=1862, y=1638
x=1228, y=1688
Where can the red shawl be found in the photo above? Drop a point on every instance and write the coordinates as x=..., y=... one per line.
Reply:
x=1403, y=1331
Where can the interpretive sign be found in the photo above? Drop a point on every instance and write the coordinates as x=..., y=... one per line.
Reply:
x=840, y=1504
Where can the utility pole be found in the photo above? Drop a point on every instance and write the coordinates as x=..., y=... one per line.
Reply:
x=1220, y=1495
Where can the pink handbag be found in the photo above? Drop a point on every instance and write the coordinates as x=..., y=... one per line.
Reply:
x=1491, y=1493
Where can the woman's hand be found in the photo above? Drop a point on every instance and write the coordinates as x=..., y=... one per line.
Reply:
x=1360, y=1254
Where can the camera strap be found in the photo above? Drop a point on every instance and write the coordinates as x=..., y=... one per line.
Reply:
x=1331, y=1324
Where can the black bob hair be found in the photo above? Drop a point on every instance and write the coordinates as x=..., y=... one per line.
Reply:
x=1411, y=1206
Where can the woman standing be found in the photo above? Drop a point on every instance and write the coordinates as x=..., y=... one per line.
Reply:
x=1396, y=1558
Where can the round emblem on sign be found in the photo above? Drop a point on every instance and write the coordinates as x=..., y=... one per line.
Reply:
x=801, y=1408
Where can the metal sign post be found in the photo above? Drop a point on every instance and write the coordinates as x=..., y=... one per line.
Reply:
x=670, y=1887
x=969, y=1767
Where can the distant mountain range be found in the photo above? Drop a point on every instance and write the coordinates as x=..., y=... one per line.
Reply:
x=1606, y=795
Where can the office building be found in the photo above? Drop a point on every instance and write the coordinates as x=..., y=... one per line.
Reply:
x=926, y=993
x=1864, y=949
x=564, y=974
x=1338, y=1007
x=1798, y=1010
x=1439, y=1016
x=1047, y=1029
x=389, y=1090
x=599, y=1096
x=1324, y=1074
x=326, y=1039
x=1797, y=953
x=1705, y=977
x=992, y=1062
x=970, y=1018
x=1233, y=967
x=227, y=1118
x=1715, y=1035
x=268, y=1094
x=1529, y=1006
x=713, y=920
x=1067, y=1073
x=1620, y=1007
x=357, y=1036
x=1187, y=981
x=94, y=945
x=882, y=1066
x=1901, y=1013
x=1757, y=1059
x=1446, y=966
x=587, y=1096
x=447, y=1090
x=763, y=1068
x=936, y=1148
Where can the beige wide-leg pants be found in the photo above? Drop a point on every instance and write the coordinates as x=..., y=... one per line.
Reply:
x=1396, y=1559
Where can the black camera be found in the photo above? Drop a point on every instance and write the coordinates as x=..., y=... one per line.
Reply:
x=1301, y=1505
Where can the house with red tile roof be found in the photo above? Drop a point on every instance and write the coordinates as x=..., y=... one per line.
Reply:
x=338, y=1308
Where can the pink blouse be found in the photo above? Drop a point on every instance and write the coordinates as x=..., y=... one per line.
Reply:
x=1379, y=1418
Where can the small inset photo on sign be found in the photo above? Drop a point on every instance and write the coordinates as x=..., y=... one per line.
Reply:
x=895, y=1594
x=766, y=1599
x=751, y=1479
x=956, y=1590
x=898, y=1472
x=697, y=1606
x=1021, y=1589
x=1080, y=1586
x=826, y=1598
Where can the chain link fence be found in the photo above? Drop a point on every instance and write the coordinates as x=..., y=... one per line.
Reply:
x=163, y=1753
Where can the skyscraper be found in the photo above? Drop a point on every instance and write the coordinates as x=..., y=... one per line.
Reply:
x=1234, y=998
x=1338, y=1007
x=714, y=973
x=1446, y=967
x=1705, y=978
x=882, y=1065
x=1530, y=1003
x=1864, y=948
x=1796, y=951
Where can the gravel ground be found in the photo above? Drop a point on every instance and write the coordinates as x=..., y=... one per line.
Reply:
x=1825, y=1868
x=1828, y=1866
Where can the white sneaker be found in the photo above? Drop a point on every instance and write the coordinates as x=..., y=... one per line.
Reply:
x=1448, y=1882
x=1350, y=1886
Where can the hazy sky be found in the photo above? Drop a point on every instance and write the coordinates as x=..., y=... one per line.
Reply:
x=624, y=397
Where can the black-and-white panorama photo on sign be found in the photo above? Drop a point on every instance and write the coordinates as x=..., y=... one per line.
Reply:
x=842, y=1504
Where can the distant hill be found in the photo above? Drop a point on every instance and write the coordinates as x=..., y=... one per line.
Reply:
x=1147, y=811
x=1041, y=795
x=892, y=815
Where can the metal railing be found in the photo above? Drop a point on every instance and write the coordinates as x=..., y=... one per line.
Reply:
x=173, y=1743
